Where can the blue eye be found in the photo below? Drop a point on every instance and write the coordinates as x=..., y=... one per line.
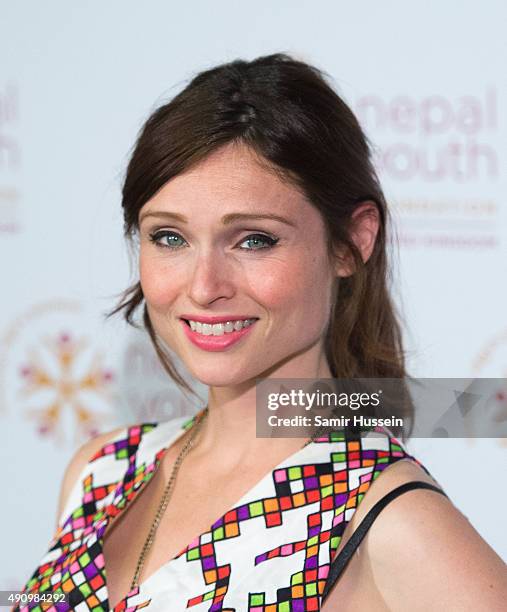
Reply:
x=257, y=241
x=157, y=236
x=259, y=238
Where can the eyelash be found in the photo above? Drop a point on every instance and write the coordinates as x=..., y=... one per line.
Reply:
x=156, y=236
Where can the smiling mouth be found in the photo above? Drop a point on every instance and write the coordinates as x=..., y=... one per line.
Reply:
x=219, y=329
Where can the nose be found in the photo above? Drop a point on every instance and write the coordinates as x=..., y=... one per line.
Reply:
x=210, y=279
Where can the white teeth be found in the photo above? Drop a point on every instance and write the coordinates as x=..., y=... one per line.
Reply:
x=219, y=329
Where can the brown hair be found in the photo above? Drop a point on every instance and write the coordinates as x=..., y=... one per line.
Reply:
x=292, y=119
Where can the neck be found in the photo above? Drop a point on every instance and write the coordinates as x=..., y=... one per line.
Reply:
x=228, y=435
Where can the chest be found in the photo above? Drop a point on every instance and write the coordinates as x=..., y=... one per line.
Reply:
x=197, y=500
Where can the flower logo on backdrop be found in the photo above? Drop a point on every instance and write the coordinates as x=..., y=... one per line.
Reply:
x=491, y=360
x=55, y=379
x=66, y=384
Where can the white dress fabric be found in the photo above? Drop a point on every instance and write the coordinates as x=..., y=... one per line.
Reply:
x=270, y=552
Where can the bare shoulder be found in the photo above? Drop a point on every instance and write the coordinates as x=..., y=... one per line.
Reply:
x=421, y=552
x=77, y=462
x=395, y=475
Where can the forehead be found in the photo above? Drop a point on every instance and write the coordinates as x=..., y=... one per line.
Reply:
x=232, y=177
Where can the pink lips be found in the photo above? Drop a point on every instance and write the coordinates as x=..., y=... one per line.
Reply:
x=215, y=343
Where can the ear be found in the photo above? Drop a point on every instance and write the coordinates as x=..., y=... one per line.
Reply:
x=364, y=228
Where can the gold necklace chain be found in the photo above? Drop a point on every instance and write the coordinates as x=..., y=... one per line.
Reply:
x=166, y=496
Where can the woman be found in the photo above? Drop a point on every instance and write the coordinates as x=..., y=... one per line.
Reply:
x=262, y=237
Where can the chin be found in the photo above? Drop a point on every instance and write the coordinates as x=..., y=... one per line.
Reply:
x=215, y=375
x=219, y=380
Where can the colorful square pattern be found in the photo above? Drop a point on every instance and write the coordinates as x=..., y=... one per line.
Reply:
x=330, y=487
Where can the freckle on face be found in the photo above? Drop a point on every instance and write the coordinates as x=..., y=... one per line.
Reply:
x=288, y=288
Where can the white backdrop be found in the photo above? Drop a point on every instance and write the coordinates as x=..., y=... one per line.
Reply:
x=76, y=82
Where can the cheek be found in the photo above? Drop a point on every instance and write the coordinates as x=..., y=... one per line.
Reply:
x=299, y=292
x=159, y=285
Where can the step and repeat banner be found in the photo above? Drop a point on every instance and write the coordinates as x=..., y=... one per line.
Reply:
x=76, y=83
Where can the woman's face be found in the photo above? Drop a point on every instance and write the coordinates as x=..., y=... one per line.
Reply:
x=206, y=251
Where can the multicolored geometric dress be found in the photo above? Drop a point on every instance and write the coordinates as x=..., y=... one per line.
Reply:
x=271, y=552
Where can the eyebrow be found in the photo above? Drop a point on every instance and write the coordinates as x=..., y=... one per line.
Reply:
x=226, y=219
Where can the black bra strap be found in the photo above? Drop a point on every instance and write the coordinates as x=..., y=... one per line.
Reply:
x=340, y=562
